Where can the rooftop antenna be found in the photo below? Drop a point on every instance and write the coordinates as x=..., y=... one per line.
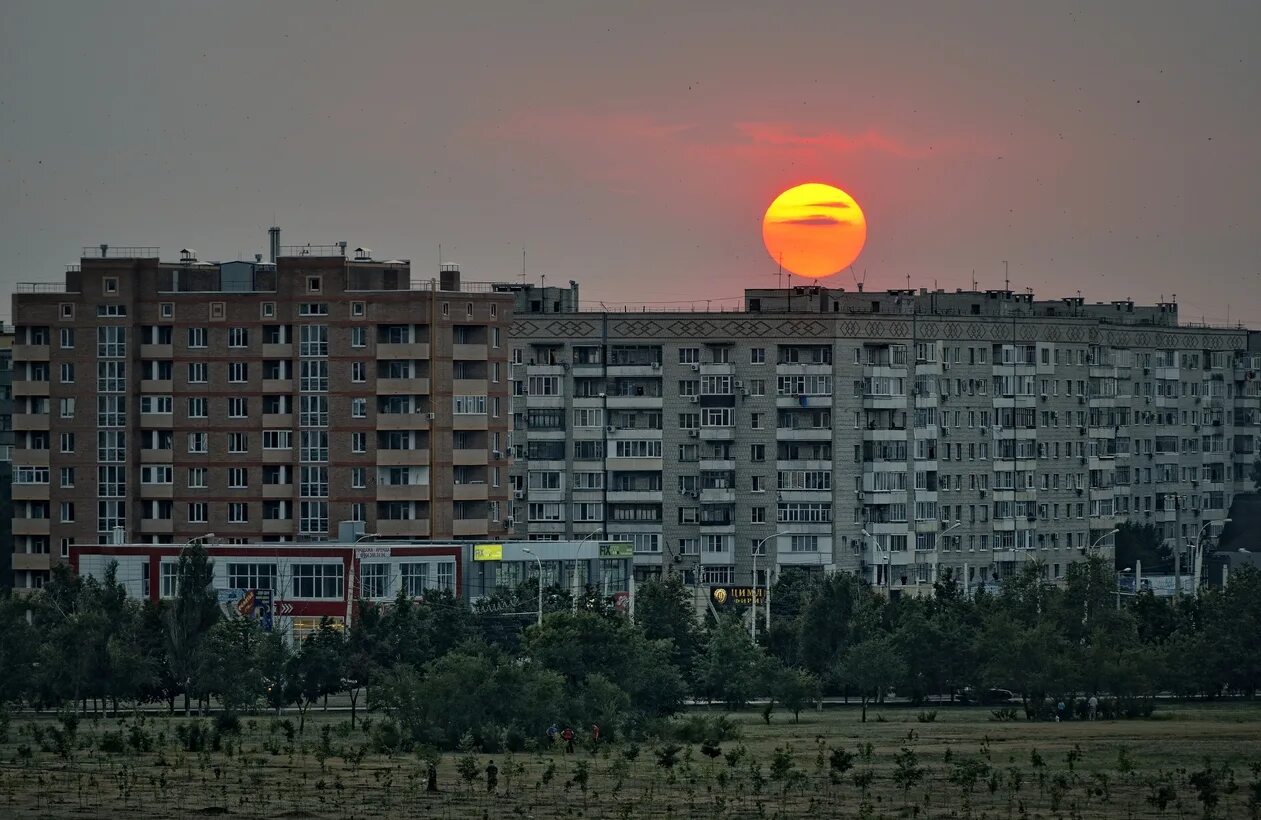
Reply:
x=908, y=281
x=779, y=274
x=523, y=264
x=974, y=279
x=439, y=256
x=1006, y=278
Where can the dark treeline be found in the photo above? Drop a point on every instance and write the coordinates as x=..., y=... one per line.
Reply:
x=441, y=671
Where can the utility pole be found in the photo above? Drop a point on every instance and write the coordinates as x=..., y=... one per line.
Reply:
x=1177, y=553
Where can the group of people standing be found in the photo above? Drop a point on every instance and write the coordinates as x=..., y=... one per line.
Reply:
x=568, y=735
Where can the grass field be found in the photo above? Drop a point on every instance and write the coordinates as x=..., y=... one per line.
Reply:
x=962, y=764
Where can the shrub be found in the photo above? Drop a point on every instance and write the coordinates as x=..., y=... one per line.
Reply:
x=112, y=743
x=192, y=736
x=701, y=729
x=228, y=723
x=927, y=717
x=1005, y=714
x=386, y=737
x=139, y=739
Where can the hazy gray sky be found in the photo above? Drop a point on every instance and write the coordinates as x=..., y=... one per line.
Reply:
x=1111, y=148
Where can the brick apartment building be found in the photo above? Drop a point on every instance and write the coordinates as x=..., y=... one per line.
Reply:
x=156, y=401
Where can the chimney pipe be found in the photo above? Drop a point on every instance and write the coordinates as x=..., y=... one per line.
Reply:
x=273, y=242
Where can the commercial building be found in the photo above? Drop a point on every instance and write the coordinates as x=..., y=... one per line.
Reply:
x=303, y=583
x=897, y=435
x=265, y=401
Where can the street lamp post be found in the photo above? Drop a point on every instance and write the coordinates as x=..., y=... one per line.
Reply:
x=756, y=550
x=538, y=561
x=1125, y=571
x=1085, y=615
x=876, y=546
x=1197, y=555
x=578, y=560
x=956, y=525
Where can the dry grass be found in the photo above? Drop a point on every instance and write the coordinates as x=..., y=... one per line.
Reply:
x=1088, y=770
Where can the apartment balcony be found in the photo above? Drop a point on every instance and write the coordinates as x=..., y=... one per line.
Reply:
x=634, y=370
x=276, y=491
x=150, y=456
x=157, y=526
x=31, y=353
x=817, y=496
x=163, y=386
x=469, y=457
x=631, y=464
x=277, y=385
x=401, y=387
x=803, y=434
x=587, y=369
x=545, y=369
x=403, y=492
x=157, y=491
x=470, y=492
x=717, y=558
x=790, y=402
x=718, y=433
x=476, y=353
x=543, y=402
x=717, y=464
x=407, y=350
x=30, y=421
x=410, y=528
x=278, y=456
x=633, y=402
x=479, y=421
x=800, y=368
x=633, y=496
x=31, y=526
x=463, y=527
x=403, y=458
x=402, y=421
x=882, y=402
x=31, y=492
x=277, y=351
x=274, y=421
x=154, y=351
x=23, y=387
x=29, y=458
x=718, y=496
x=718, y=369
x=32, y=561
x=277, y=526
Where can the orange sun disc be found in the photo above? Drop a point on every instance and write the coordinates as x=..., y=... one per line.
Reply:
x=814, y=230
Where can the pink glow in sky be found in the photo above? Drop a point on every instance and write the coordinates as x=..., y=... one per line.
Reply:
x=635, y=148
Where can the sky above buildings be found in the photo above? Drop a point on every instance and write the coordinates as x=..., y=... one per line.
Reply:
x=1106, y=148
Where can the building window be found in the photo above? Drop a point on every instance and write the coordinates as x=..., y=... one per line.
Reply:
x=374, y=580
x=196, y=478
x=238, y=372
x=197, y=407
x=238, y=337
x=358, y=309
x=757, y=355
x=317, y=580
x=358, y=337
x=67, y=476
x=314, y=284
x=238, y=478
x=197, y=443
x=197, y=512
x=252, y=576
x=238, y=442
x=238, y=512
x=196, y=337
x=238, y=407
x=67, y=442
x=197, y=373
x=359, y=408
x=67, y=512
x=359, y=442
x=169, y=579
x=414, y=578
x=358, y=371
x=67, y=408
x=757, y=515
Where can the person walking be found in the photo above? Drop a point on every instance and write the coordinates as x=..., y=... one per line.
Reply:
x=568, y=737
x=595, y=733
x=552, y=732
x=1059, y=712
x=492, y=776
x=1093, y=706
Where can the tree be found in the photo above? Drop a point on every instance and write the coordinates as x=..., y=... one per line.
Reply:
x=18, y=650
x=871, y=667
x=271, y=658
x=664, y=611
x=796, y=689
x=732, y=667
x=1256, y=475
x=841, y=608
x=313, y=671
x=1139, y=542
x=190, y=616
x=228, y=664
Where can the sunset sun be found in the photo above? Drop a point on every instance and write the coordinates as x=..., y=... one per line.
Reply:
x=814, y=230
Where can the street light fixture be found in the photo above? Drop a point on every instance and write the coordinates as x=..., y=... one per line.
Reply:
x=539, y=561
x=1197, y=555
x=578, y=560
x=756, y=550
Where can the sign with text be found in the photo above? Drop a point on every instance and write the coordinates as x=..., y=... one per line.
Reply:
x=621, y=550
x=488, y=552
x=723, y=596
x=261, y=609
x=372, y=552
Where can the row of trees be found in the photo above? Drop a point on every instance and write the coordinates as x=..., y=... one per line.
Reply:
x=441, y=668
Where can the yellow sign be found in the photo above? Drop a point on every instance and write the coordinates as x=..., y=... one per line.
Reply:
x=488, y=552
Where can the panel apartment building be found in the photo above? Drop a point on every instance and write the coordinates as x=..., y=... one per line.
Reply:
x=895, y=434
x=158, y=401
